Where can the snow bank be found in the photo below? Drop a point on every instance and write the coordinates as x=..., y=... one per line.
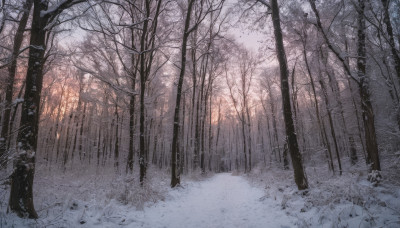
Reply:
x=86, y=199
x=333, y=201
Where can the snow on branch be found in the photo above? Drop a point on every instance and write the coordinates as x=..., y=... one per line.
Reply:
x=101, y=78
x=265, y=3
x=58, y=8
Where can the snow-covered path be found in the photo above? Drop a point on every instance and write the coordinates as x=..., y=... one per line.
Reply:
x=222, y=201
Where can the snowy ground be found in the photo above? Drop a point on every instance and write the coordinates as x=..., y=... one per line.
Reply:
x=334, y=201
x=264, y=198
x=222, y=201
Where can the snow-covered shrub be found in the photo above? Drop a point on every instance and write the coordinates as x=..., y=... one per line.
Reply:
x=130, y=192
x=333, y=201
x=375, y=177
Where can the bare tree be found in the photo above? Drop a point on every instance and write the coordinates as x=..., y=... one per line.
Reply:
x=299, y=174
x=361, y=80
x=21, y=197
x=18, y=38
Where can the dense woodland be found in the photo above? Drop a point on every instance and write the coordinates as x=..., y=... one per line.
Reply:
x=129, y=85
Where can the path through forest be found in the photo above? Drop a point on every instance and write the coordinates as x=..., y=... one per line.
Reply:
x=222, y=201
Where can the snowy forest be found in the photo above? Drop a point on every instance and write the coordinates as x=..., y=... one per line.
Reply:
x=199, y=113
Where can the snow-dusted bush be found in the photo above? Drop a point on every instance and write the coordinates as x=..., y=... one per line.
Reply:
x=129, y=192
x=333, y=201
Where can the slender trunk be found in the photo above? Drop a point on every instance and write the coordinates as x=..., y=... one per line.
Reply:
x=143, y=79
x=353, y=151
x=116, y=146
x=274, y=124
x=18, y=38
x=180, y=155
x=129, y=167
x=395, y=55
x=65, y=147
x=82, y=154
x=333, y=84
x=195, y=118
x=269, y=133
x=354, y=102
x=78, y=110
x=366, y=105
x=333, y=133
x=299, y=174
x=202, y=145
x=389, y=30
x=249, y=132
x=218, y=126
x=99, y=144
x=21, y=196
x=4, y=157
x=285, y=158
x=210, y=137
x=362, y=80
x=321, y=124
x=175, y=176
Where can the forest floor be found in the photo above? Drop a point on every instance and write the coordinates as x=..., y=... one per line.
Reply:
x=264, y=198
x=222, y=200
x=334, y=201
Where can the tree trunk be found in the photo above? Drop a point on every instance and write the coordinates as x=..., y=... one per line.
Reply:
x=389, y=30
x=320, y=122
x=175, y=176
x=129, y=167
x=330, y=119
x=285, y=157
x=116, y=146
x=366, y=105
x=21, y=197
x=66, y=145
x=362, y=80
x=143, y=79
x=78, y=112
x=19, y=37
x=82, y=154
x=274, y=124
x=299, y=175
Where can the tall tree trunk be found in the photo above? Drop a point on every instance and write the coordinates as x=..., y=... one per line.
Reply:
x=99, y=142
x=143, y=79
x=210, y=136
x=175, y=176
x=330, y=119
x=389, y=29
x=18, y=38
x=299, y=174
x=274, y=123
x=129, y=167
x=182, y=136
x=78, y=112
x=285, y=157
x=242, y=120
x=320, y=122
x=362, y=80
x=21, y=196
x=82, y=154
x=66, y=145
x=354, y=101
x=249, y=132
x=269, y=135
x=395, y=53
x=62, y=129
x=366, y=105
x=116, y=146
